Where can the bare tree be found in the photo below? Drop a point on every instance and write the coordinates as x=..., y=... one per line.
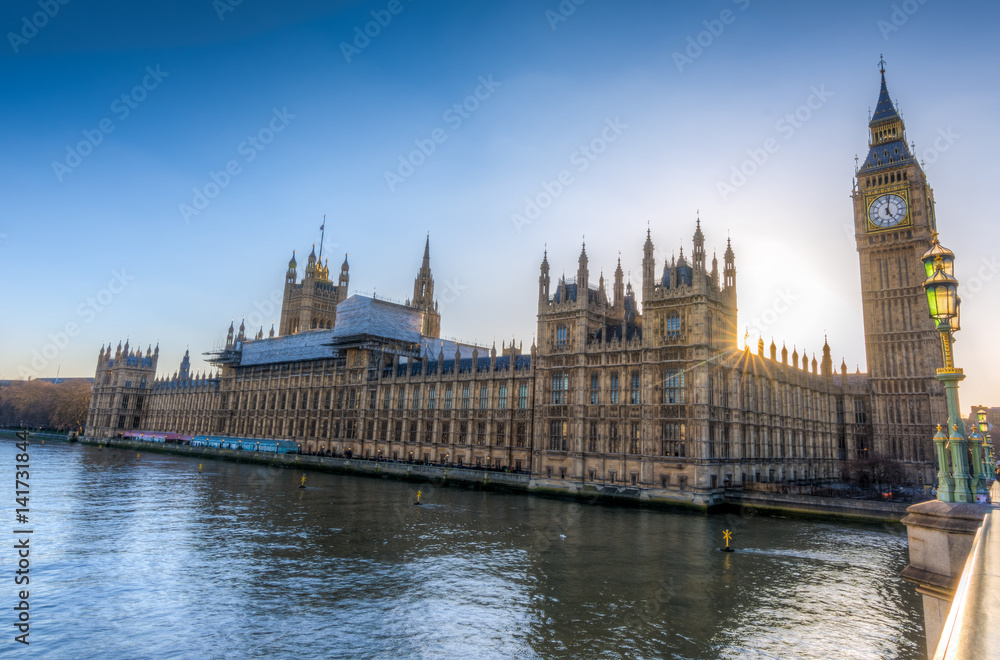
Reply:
x=61, y=406
x=878, y=472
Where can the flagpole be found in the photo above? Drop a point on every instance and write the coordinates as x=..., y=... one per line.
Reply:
x=321, y=237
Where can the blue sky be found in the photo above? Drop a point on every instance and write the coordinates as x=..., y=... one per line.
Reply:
x=95, y=237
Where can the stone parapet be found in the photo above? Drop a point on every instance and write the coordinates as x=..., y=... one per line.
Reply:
x=972, y=629
x=940, y=536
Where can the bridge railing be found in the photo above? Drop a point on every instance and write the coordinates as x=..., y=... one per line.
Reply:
x=972, y=629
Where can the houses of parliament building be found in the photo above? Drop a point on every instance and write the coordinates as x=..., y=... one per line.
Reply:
x=645, y=390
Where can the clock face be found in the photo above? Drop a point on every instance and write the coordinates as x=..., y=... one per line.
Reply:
x=887, y=211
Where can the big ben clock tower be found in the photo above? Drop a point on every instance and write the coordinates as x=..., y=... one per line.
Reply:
x=894, y=222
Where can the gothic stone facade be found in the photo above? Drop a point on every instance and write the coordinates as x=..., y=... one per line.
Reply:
x=651, y=396
x=894, y=223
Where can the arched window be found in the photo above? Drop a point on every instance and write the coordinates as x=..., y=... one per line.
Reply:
x=560, y=389
x=673, y=325
x=673, y=386
x=561, y=336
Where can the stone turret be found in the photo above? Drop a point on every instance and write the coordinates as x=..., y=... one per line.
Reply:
x=698, y=256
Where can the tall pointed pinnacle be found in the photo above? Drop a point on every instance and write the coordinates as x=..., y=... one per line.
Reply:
x=423, y=284
x=618, y=289
x=345, y=275
x=884, y=109
x=648, y=268
x=582, y=277
x=826, y=365
x=698, y=255
x=186, y=364
x=887, y=135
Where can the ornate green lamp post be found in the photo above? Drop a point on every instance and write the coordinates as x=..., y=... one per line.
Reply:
x=943, y=303
x=984, y=430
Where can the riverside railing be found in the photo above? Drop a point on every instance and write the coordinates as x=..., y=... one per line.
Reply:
x=972, y=629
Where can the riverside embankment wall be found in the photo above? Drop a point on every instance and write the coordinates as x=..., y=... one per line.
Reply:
x=767, y=503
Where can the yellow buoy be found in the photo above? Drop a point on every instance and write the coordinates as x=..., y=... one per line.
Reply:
x=137, y=455
x=417, y=503
x=303, y=484
x=199, y=468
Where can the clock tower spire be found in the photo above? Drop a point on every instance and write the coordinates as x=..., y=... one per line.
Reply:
x=894, y=221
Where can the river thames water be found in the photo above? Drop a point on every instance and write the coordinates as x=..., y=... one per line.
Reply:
x=145, y=558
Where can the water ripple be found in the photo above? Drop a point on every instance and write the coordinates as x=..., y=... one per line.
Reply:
x=145, y=558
